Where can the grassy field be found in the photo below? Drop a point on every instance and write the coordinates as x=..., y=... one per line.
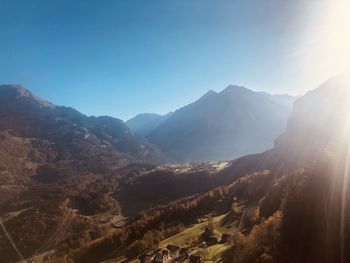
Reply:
x=189, y=238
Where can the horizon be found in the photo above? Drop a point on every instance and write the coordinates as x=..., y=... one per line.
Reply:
x=136, y=57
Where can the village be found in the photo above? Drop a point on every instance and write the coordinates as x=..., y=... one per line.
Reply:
x=213, y=166
x=173, y=253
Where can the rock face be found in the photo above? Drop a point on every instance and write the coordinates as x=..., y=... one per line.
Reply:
x=319, y=118
x=223, y=126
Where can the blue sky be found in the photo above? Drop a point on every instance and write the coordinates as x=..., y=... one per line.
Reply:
x=121, y=58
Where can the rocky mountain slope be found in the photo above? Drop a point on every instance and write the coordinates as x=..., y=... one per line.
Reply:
x=67, y=130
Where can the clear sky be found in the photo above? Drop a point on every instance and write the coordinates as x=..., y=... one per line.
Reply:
x=121, y=58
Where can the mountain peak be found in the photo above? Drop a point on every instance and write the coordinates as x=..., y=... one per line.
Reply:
x=234, y=89
x=210, y=93
x=15, y=89
x=144, y=123
x=18, y=92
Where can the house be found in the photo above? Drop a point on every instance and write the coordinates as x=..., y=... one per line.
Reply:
x=203, y=245
x=162, y=256
x=208, y=237
x=158, y=258
x=195, y=259
x=208, y=232
x=225, y=238
x=119, y=222
x=184, y=253
x=146, y=258
x=174, y=251
x=210, y=241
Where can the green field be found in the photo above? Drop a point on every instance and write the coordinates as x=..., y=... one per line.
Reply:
x=189, y=239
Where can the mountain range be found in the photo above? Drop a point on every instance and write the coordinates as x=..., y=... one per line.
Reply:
x=67, y=137
x=218, y=126
x=144, y=123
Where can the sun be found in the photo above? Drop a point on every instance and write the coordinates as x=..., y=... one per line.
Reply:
x=325, y=44
x=337, y=35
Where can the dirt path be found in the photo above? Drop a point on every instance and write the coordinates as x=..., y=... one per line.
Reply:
x=61, y=230
x=11, y=241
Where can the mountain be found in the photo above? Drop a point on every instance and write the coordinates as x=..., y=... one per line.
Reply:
x=56, y=163
x=320, y=117
x=64, y=135
x=223, y=126
x=144, y=123
x=283, y=99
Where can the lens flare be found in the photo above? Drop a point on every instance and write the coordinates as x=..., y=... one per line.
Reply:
x=343, y=156
x=344, y=197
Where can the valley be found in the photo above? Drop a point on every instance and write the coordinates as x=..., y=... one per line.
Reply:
x=66, y=198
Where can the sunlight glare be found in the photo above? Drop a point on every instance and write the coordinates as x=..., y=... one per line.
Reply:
x=326, y=44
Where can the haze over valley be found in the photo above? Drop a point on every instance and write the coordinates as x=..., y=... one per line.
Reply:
x=219, y=126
